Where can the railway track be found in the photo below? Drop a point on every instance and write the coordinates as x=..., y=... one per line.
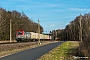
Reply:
x=14, y=42
x=18, y=43
x=7, y=42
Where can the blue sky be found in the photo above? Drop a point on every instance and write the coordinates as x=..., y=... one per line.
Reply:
x=53, y=14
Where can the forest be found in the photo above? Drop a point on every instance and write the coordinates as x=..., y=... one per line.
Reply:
x=19, y=21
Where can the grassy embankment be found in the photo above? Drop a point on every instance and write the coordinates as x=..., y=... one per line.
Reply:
x=65, y=51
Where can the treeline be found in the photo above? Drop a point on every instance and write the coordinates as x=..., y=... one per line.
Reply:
x=72, y=30
x=19, y=21
x=75, y=32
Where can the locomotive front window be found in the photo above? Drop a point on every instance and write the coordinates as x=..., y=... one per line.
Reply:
x=19, y=33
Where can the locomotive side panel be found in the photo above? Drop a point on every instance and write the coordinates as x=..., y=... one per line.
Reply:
x=27, y=36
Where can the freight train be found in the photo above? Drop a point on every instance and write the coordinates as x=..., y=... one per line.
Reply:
x=21, y=35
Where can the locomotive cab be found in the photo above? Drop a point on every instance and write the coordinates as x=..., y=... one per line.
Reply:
x=20, y=35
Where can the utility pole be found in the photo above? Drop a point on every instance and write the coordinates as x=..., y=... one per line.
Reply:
x=0, y=22
x=39, y=32
x=80, y=33
x=10, y=31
